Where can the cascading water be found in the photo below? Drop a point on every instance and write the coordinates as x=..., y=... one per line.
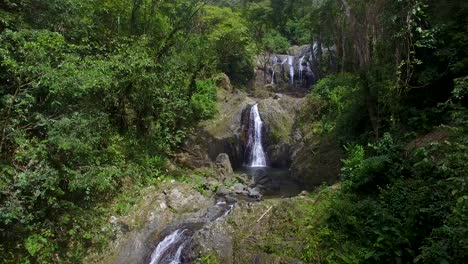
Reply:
x=256, y=155
x=176, y=258
x=173, y=249
x=160, y=254
x=301, y=68
x=273, y=78
x=291, y=68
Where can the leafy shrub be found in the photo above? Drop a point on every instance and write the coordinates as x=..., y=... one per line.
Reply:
x=339, y=102
x=229, y=36
x=204, y=100
x=275, y=43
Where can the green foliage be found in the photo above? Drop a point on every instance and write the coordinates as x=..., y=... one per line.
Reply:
x=89, y=112
x=204, y=100
x=275, y=43
x=396, y=210
x=234, y=49
x=337, y=101
x=39, y=246
x=460, y=90
x=208, y=259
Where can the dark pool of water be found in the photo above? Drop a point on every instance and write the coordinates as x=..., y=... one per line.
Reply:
x=281, y=183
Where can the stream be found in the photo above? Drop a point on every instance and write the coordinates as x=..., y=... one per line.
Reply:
x=176, y=245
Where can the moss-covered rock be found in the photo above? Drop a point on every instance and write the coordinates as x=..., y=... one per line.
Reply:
x=317, y=161
x=279, y=116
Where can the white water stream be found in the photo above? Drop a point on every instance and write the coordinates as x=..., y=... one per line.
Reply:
x=174, y=238
x=257, y=155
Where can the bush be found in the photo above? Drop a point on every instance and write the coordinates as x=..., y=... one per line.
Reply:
x=339, y=103
x=204, y=100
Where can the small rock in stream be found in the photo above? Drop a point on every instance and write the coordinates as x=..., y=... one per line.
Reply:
x=238, y=188
x=254, y=193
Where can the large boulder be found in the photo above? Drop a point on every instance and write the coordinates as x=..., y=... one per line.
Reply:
x=184, y=199
x=318, y=161
x=223, y=164
x=279, y=117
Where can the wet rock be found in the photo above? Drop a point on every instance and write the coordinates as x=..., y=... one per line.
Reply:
x=304, y=193
x=230, y=199
x=279, y=117
x=223, y=164
x=255, y=193
x=279, y=155
x=239, y=188
x=261, y=178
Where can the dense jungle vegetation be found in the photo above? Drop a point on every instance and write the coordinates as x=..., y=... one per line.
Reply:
x=96, y=96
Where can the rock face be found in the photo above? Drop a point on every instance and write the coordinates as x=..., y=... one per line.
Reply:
x=279, y=116
x=224, y=82
x=215, y=239
x=223, y=164
x=222, y=134
x=185, y=199
x=317, y=162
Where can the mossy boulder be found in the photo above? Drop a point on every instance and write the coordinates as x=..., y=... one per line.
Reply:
x=317, y=161
x=279, y=115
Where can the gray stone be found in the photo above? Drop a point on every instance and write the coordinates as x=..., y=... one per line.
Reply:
x=185, y=199
x=255, y=193
x=230, y=199
x=215, y=239
x=238, y=188
x=223, y=164
x=222, y=191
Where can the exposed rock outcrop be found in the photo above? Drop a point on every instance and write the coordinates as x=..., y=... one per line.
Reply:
x=223, y=165
x=317, y=162
x=279, y=116
x=215, y=239
x=185, y=199
x=222, y=134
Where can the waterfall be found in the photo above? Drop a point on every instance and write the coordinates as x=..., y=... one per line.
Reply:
x=301, y=68
x=273, y=78
x=291, y=68
x=176, y=258
x=164, y=247
x=257, y=155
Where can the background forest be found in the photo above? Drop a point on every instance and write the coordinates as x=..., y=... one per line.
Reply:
x=97, y=95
